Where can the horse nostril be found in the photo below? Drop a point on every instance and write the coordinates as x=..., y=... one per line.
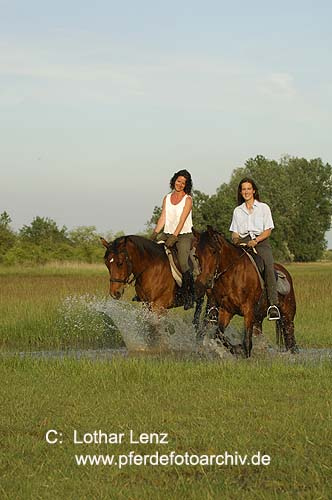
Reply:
x=118, y=295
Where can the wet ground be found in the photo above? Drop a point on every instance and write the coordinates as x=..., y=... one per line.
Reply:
x=207, y=350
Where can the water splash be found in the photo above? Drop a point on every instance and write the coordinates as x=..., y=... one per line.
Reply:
x=144, y=330
x=103, y=320
x=79, y=322
x=109, y=322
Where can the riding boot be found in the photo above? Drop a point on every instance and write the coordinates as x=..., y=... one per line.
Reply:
x=188, y=290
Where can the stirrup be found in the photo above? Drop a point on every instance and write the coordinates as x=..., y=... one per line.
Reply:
x=273, y=313
x=212, y=314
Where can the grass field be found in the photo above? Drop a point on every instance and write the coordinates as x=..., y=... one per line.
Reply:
x=32, y=312
x=278, y=406
x=279, y=409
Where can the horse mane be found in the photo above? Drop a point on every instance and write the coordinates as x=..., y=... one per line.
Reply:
x=142, y=244
x=207, y=239
x=236, y=247
x=145, y=245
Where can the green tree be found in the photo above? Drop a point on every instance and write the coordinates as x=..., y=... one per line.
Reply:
x=217, y=210
x=200, y=201
x=44, y=230
x=153, y=219
x=7, y=235
x=86, y=243
x=311, y=211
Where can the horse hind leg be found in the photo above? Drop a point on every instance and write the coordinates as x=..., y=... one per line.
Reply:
x=247, y=341
x=280, y=333
x=285, y=333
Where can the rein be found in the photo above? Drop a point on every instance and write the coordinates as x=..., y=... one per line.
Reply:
x=218, y=273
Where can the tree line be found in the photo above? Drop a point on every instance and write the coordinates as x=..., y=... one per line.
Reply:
x=43, y=241
x=299, y=192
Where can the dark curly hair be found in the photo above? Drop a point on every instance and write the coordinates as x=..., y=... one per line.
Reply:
x=240, y=198
x=189, y=183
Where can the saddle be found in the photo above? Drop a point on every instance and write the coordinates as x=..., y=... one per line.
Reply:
x=172, y=255
x=283, y=285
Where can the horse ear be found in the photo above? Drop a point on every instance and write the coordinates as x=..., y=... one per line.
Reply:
x=104, y=242
x=197, y=234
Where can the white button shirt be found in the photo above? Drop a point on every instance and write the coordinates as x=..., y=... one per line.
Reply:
x=254, y=223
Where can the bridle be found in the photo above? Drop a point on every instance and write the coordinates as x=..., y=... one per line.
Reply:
x=126, y=281
x=219, y=273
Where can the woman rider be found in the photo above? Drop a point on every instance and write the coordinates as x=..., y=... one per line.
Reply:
x=176, y=219
x=252, y=224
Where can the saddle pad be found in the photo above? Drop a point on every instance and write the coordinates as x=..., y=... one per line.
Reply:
x=176, y=273
x=283, y=285
x=255, y=266
x=174, y=270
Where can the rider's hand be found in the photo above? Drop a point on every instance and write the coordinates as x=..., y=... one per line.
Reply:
x=153, y=236
x=252, y=243
x=236, y=240
x=171, y=240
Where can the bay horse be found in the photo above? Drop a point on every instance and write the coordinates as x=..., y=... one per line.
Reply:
x=234, y=288
x=136, y=259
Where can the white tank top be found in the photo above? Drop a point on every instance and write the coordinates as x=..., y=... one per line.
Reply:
x=173, y=214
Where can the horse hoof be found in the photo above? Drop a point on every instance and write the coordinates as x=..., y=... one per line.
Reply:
x=200, y=334
x=237, y=350
x=294, y=350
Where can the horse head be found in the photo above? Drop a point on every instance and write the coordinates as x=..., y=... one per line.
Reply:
x=207, y=252
x=119, y=266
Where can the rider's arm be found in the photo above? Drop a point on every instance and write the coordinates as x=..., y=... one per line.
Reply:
x=261, y=237
x=185, y=212
x=265, y=234
x=162, y=218
x=235, y=238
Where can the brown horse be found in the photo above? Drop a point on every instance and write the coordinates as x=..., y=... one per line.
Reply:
x=137, y=259
x=235, y=288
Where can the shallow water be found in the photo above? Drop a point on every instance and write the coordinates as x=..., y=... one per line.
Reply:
x=210, y=352
x=146, y=333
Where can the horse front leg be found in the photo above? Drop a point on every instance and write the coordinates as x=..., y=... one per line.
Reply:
x=257, y=328
x=224, y=318
x=211, y=309
x=197, y=314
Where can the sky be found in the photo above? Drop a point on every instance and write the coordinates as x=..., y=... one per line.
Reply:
x=101, y=102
